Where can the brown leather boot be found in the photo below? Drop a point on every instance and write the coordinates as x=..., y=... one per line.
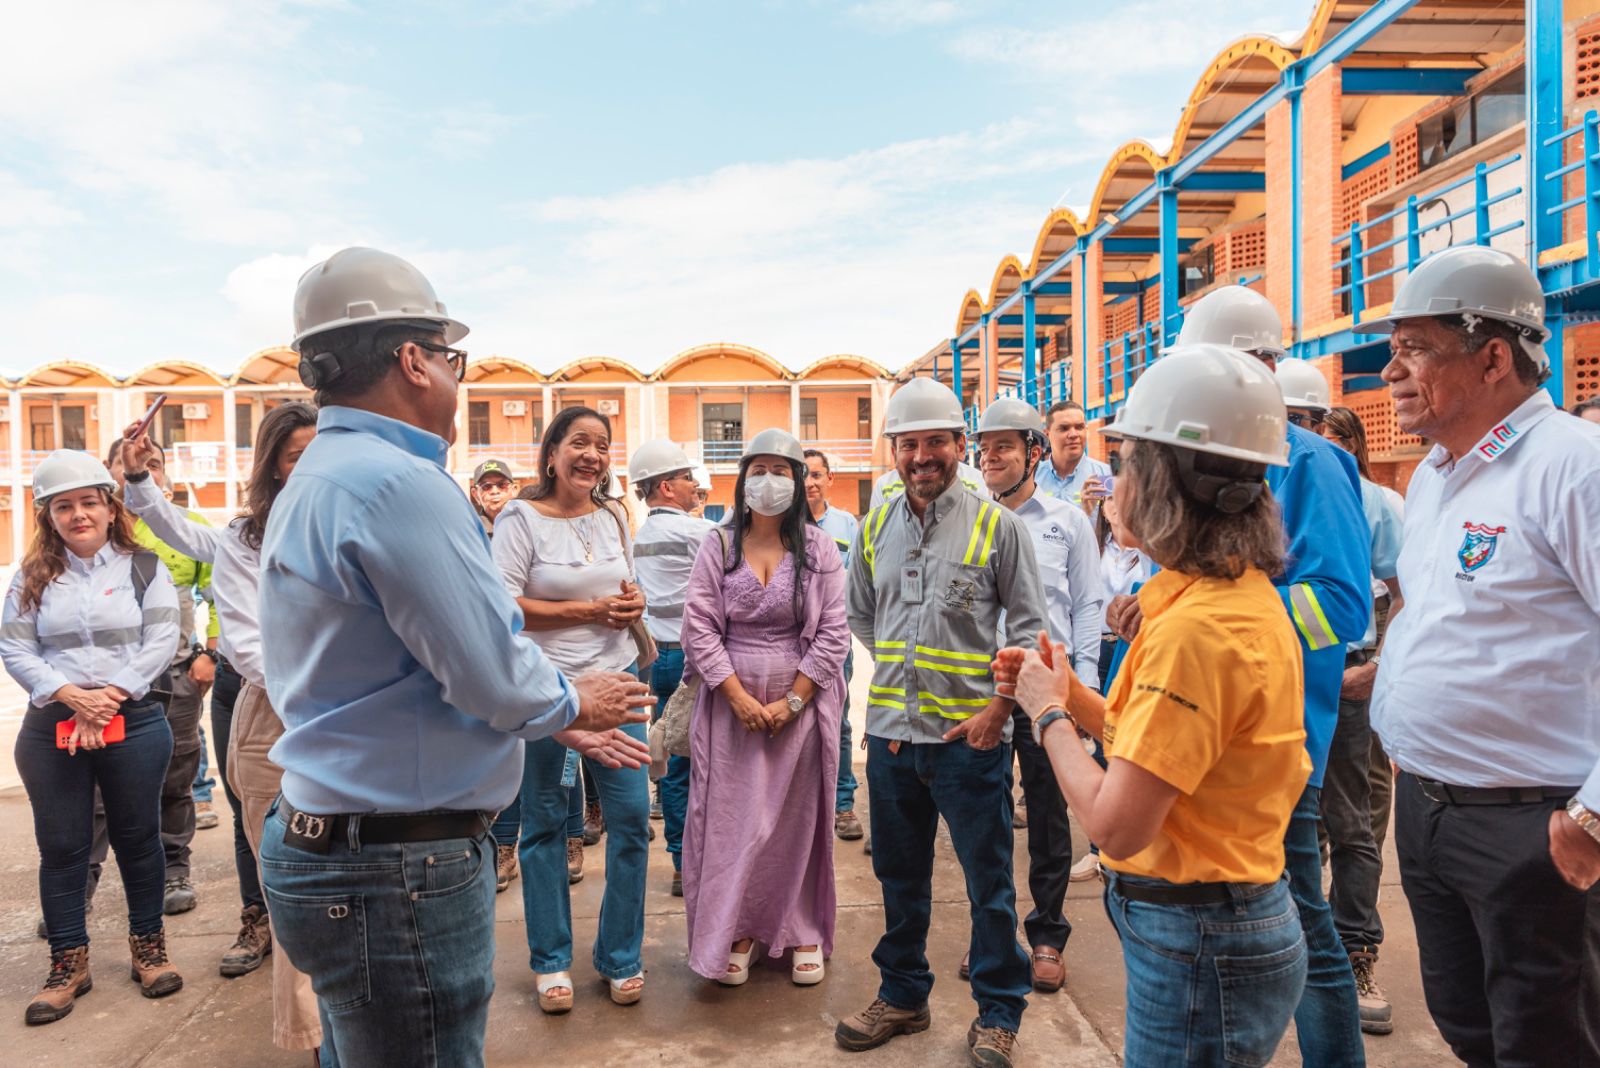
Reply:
x=250, y=950
x=574, y=860
x=68, y=981
x=505, y=866
x=151, y=969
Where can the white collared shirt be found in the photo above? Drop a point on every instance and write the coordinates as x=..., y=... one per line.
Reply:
x=235, y=572
x=663, y=556
x=1491, y=672
x=1069, y=567
x=88, y=629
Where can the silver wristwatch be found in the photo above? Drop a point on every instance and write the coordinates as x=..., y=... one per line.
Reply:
x=1584, y=818
x=795, y=703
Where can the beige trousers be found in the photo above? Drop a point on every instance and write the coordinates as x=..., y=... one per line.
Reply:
x=255, y=779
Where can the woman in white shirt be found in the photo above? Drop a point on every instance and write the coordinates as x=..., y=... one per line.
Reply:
x=235, y=555
x=89, y=627
x=565, y=556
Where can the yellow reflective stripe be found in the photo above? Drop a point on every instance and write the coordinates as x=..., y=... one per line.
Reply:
x=893, y=691
x=1303, y=605
x=982, y=658
x=947, y=668
x=889, y=645
x=934, y=710
x=977, y=529
x=884, y=702
x=988, y=536
x=871, y=530
x=954, y=702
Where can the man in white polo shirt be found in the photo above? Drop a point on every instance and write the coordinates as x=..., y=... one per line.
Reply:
x=1488, y=695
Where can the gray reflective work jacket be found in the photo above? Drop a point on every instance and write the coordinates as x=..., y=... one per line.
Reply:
x=931, y=659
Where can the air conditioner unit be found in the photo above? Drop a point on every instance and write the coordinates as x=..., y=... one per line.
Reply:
x=197, y=412
x=608, y=407
x=515, y=409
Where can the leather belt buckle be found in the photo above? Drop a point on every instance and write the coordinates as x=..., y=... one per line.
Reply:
x=303, y=831
x=1436, y=792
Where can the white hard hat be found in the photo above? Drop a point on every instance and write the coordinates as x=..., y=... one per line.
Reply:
x=1303, y=386
x=1472, y=280
x=656, y=458
x=1212, y=399
x=364, y=285
x=702, y=476
x=923, y=404
x=775, y=442
x=69, y=469
x=1011, y=413
x=1234, y=316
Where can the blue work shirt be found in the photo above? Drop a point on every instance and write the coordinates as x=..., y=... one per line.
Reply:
x=393, y=653
x=1326, y=583
x=841, y=525
x=1069, y=489
x=1386, y=530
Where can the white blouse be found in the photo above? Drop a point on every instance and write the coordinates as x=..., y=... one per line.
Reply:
x=548, y=559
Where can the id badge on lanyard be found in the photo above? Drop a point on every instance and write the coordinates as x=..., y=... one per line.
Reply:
x=911, y=582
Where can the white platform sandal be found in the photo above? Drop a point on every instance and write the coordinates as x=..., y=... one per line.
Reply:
x=626, y=997
x=554, y=1004
x=738, y=972
x=803, y=976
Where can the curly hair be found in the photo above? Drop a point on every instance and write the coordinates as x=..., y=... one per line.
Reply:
x=1184, y=534
x=46, y=558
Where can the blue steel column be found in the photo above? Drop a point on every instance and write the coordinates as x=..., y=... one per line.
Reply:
x=1030, y=358
x=955, y=365
x=1167, y=197
x=1544, y=96
x=1081, y=395
x=1294, y=82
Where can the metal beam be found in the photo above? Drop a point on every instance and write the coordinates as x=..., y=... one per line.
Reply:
x=1053, y=289
x=1406, y=81
x=1226, y=182
x=1142, y=246
x=1544, y=155
x=1040, y=319
x=1030, y=346
x=1169, y=242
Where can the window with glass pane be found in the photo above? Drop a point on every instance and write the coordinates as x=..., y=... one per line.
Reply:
x=477, y=422
x=1198, y=270
x=1446, y=134
x=1499, y=106
x=172, y=427
x=863, y=496
x=863, y=418
x=722, y=430
x=73, y=434
x=41, y=428
x=808, y=418
x=244, y=431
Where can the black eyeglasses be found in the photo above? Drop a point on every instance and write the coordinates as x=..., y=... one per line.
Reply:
x=456, y=358
x=1304, y=421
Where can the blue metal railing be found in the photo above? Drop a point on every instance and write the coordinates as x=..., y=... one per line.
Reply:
x=1123, y=360
x=1409, y=231
x=1589, y=163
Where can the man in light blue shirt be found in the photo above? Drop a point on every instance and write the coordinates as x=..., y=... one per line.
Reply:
x=394, y=657
x=841, y=526
x=1070, y=470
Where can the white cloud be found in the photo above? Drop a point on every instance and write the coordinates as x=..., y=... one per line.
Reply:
x=906, y=14
x=26, y=207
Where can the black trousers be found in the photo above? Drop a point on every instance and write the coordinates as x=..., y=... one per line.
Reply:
x=1347, y=817
x=1049, y=838
x=224, y=692
x=1510, y=953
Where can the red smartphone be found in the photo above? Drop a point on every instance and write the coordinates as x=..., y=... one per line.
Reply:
x=115, y=731
x=149, y=417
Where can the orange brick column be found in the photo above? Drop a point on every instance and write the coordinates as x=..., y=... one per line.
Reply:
x=1280, y=227
x=1321, y=140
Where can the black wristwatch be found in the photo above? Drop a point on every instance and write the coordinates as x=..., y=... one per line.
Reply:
x=136, y=476
x=1048, y=719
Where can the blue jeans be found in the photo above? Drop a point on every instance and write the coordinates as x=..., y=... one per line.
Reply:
x=1328, y=1021
x=1207, y=984
x=625, y=801
x=507, y=823
x=845, y=792
x=61, y=792
x=203, y=782
x=907, y=793
x=666, y=675
x=398, y=940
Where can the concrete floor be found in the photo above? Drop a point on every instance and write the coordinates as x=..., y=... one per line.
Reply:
x=683, y=1019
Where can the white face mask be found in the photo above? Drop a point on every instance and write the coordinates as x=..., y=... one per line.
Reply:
x=769, y=494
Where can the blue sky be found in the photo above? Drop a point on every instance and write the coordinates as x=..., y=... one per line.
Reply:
x=577, y=178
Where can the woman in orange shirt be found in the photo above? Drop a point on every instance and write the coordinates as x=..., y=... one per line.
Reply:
x=1203, y=727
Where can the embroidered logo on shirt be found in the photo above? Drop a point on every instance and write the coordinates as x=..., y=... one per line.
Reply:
x=959, y=595
x=1477, y=548
x=1056, y=534
x=1495, y=444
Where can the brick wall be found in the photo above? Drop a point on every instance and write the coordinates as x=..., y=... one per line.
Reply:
x=1279, y=257
x=1321, y=146
x=1580, y=352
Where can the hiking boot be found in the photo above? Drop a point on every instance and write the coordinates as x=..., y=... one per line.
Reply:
x=1019, y=816
x=677, y=884
x=205, y=816
x=989, y=1047
x=68, y=981
x=251, y=948
x=1377, y=1017
x=179, y=897
x=574, y=860
x=866, y=847
x=594, y=824
x=44, y=932
x=152, y=970
x=847, y=827
x=878, y=1023
x=505, y=866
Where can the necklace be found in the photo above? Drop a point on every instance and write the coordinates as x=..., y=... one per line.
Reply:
x=588, y=546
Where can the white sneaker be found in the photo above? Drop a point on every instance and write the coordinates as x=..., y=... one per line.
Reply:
x=1086, y=869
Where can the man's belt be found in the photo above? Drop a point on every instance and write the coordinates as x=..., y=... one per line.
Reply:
x=1190, y=893
x=1446, y=794
x=669, y=646
x=315, y=834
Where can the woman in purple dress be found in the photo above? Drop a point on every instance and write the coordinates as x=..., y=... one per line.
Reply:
x=764, y=630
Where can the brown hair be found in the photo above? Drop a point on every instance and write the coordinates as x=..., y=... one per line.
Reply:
x=264, y=486
x=47, y=555
x=1345, y=424
x=1062, y=406
x=1183, y=534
